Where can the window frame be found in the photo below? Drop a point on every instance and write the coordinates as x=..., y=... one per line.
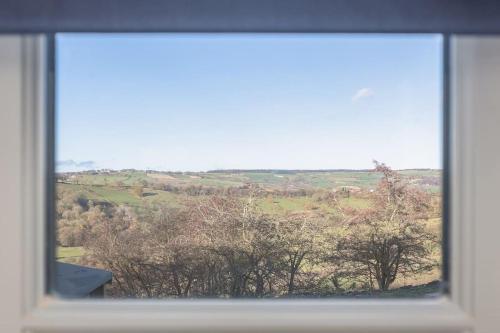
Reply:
x=50, y=160
x=450, y=312
x=25, y=91
x=423, y=16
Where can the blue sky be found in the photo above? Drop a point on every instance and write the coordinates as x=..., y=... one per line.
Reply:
x=198, y=102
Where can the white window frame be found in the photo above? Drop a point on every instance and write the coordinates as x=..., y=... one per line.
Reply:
x=474, y=303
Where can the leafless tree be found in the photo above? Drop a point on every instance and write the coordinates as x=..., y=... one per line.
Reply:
x=388, y=239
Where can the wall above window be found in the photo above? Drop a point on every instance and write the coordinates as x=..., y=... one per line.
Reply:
x=431, y=16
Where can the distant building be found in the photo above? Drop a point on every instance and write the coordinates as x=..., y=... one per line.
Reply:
x=75, y=281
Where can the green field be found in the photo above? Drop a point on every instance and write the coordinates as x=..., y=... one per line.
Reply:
x=116, y=187
x=69, y=254
x=273, y=179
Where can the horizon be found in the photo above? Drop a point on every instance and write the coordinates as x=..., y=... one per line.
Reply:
x=245, y=170
x=299, y=102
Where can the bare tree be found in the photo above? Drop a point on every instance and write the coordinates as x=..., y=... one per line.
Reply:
x=388, y=239
x=300, y=235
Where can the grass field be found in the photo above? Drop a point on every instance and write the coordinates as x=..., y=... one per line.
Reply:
x=115, y=187
x=270, y=204
x=431, y=289
x=69, y=254
x=272, y=179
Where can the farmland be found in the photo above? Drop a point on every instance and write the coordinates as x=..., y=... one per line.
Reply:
x=85, y=198
x=114, y=187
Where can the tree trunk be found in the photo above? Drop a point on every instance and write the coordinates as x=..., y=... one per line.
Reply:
x=291, y=285
x=259, y=287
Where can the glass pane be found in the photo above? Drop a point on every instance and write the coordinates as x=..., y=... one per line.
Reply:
x=248, y=165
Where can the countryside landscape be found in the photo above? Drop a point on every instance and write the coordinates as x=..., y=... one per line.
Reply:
x=262, y=166
x=255, y=233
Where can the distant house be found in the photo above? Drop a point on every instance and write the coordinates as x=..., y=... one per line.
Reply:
x=75, y=281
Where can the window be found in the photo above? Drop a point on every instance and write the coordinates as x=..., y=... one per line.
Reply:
x=249, y=166
x=471, y=135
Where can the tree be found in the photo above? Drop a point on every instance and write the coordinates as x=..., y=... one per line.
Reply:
x=300, y=241
x=388, y=239
x=241, y=239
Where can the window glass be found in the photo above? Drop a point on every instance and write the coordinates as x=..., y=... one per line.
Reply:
x=248, y=165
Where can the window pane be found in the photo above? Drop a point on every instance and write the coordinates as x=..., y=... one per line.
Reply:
x=248, y=165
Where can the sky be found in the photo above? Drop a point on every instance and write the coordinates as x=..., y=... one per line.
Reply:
x=198, y=102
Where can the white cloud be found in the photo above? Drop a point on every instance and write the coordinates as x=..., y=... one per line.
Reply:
x=362, y=94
